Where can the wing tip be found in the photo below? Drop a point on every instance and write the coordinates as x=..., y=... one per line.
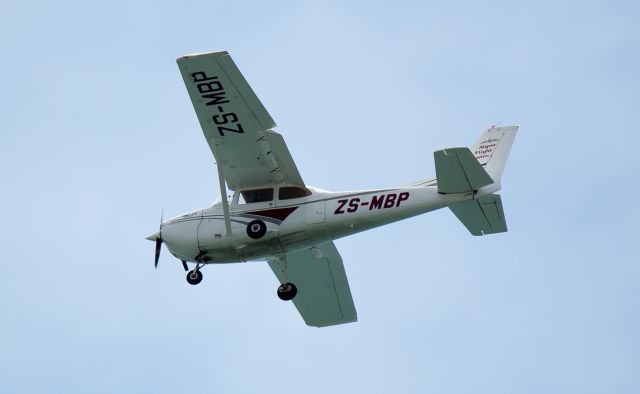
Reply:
x=199, y=54
x=320, y=324
x=513, y=127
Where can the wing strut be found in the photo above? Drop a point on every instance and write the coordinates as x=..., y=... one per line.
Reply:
x=225, y=203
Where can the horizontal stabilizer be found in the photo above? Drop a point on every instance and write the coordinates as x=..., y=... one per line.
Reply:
x=482, y=216
x=458, y=171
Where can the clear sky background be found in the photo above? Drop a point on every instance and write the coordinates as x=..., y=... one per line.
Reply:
x=98, y=136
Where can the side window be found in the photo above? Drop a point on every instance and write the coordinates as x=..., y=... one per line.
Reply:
x=258, y=195
x=291, y=192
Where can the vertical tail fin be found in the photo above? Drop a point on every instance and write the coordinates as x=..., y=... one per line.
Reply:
x=484, y=214
x=492, y=149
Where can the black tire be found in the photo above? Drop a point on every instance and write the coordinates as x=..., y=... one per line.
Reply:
x=287, y=291
x=194, y=277
x=256, y=229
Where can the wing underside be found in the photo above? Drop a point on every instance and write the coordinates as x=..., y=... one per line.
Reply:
x=324, y=297
x=236, y=125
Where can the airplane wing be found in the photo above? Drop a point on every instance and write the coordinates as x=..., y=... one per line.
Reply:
x=236, y=124
x=323, y=298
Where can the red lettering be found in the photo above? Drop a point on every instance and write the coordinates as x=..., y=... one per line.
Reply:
x=341, y=204
x=404, y=196
x=353, y=205
x=376, y=202
x=391, y=200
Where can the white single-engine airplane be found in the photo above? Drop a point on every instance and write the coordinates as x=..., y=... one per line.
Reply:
x=274, y=216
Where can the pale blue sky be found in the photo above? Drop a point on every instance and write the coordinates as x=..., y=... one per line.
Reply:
x=98, y=136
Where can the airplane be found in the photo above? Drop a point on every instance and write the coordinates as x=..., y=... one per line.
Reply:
x=273, y=215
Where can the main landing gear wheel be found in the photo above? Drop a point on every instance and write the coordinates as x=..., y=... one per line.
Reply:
x=256, y=229
x=194, y=277
x=287, y=291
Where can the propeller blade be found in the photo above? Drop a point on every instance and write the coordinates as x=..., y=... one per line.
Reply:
x=159, y=241
x=158, y=247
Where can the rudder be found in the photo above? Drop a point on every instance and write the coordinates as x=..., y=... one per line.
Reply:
x=492, y=149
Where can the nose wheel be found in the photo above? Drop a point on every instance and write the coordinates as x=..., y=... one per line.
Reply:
x=194, y=277
x=287, y=291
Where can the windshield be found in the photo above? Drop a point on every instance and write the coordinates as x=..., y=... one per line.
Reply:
x=256, y=195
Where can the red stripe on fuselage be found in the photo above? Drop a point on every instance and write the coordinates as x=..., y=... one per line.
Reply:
x=278, y=213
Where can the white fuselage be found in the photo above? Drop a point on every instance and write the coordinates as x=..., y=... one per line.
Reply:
x=298, y=223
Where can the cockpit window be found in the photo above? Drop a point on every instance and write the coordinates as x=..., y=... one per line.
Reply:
x=257, y=195
x=291, y=192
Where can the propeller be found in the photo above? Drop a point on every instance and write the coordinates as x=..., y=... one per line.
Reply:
x=158, y=238
x=158, y=247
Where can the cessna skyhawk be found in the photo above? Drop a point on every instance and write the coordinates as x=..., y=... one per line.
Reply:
x=274, y=216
